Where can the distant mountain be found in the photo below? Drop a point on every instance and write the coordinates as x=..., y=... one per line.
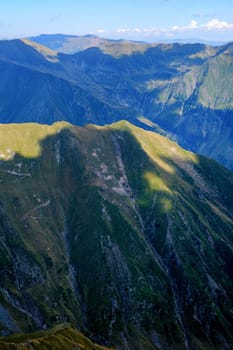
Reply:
x=116, y=231
x=54, y=41
x=185, y=89
x=188, y=41
x=71, y=44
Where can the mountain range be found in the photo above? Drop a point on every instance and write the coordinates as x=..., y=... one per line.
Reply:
x=115, y=231
x=182, y=90
x=110, y=232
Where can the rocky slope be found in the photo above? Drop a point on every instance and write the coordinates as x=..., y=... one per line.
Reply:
x=117, y=231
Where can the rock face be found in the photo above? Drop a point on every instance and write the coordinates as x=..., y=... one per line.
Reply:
x=117, y=231
x=185, y=89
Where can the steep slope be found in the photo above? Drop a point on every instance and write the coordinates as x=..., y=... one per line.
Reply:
x=199, y=109
x=117, y=231
x=40, y=84
x=183, y=88
x=26, y=53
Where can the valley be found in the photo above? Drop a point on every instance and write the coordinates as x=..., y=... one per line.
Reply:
x=184, y=90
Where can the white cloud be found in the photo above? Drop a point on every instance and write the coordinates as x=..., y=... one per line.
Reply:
x=123, y=30
x=100, y=31
x=193, y=24
x=137, y=30
x=215, y=24
x=194, y=27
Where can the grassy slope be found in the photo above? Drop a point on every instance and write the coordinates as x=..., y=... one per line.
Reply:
x=183, y=202
x=58, y=338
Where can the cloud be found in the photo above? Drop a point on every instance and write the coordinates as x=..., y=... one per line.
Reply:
x=123, y=30
x=100, y=31
x=212, y=25
x=193, y=24
x=217, y=28
x=215, y=24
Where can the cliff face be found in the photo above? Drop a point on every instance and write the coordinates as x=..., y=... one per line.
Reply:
x=117, y=231
x=183, y=88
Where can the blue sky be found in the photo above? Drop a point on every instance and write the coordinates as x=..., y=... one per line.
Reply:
x=132, y=19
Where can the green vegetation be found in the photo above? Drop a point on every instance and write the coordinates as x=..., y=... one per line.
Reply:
x=24, y=139
x=58, y=338
x=119, y=232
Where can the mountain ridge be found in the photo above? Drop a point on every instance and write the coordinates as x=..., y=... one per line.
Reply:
x=71, y=44
x=61, y=42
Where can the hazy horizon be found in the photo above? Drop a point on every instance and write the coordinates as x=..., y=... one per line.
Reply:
x=148, y=20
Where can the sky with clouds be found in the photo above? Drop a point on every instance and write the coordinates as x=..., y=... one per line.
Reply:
x=148, y=20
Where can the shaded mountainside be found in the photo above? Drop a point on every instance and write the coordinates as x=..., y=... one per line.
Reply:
x=183, y=88
x=117, y=231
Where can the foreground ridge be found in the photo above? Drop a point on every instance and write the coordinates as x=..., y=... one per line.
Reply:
x=118, y=231
x=61, y=337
